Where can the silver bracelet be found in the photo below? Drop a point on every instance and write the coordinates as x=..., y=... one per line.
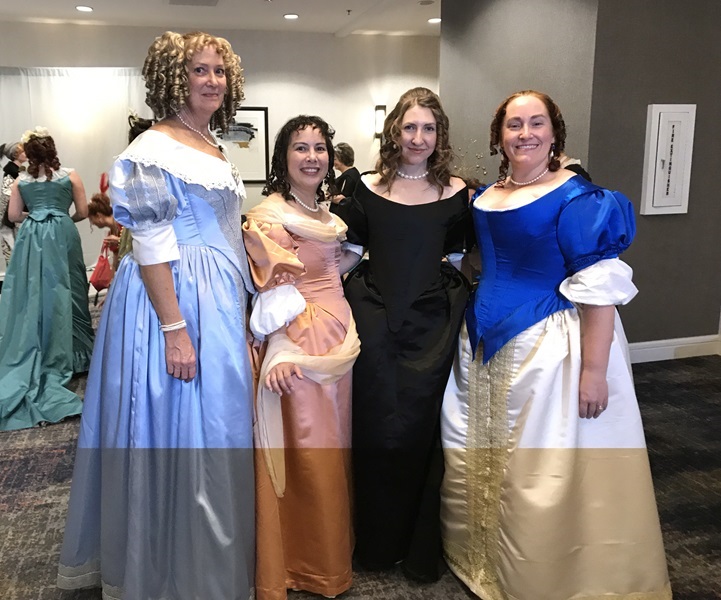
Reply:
x=173, y=326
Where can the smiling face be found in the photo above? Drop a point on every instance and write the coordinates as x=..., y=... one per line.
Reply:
x=307, y=159
x=206, y=81
x=418, y=135
x=527, y=132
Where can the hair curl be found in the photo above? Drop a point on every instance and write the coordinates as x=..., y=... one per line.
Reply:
x=41, y=152
x=557, y=123
x=439, y=163
x=278, y=176
x=166, y=74
x=345, y=154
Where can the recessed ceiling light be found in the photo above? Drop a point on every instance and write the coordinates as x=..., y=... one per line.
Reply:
x=290, y=16
x=434, y=20
x=82, y=8
x=426, y=2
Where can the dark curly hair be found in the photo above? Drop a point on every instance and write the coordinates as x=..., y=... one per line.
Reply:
x=439, y=163
x=166, y=74
x=41, y=152
x=559, y=131
x=278, y=177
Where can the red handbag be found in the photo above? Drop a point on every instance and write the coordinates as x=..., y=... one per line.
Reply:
x=102, y=273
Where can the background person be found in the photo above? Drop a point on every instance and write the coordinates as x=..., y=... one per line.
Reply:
x=408, y=304
x=45, y=329
x=15, y=154
x=547, y=491
x=303, y=469
x=162, y=501
x=100, y=215
x=349, y=175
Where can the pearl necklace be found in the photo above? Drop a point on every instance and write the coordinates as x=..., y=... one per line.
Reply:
x=522, y=183
x=316, y=208
x=403, y=175
x=200, y=133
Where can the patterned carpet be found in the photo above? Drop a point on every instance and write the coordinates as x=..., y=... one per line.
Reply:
x=681, y=404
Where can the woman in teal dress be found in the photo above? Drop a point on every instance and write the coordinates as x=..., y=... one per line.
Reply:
x=45, y=329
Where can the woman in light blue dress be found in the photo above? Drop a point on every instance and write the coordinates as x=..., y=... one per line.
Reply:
x=162, y=503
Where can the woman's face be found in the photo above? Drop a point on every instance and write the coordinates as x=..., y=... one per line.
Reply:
x=527, y=132
x=206, y=81
x=21, y=157
x=418, y=135
x=100, y=221
x=307, y=158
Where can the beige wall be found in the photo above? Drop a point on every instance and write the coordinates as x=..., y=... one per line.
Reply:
x=340, y=79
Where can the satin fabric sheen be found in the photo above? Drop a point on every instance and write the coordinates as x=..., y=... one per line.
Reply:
x=305, y=538
x=539, y=504
x=162, y=501
x=45, y=329
x=408, y=305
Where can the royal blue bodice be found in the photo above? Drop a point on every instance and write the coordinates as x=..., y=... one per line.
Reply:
x=527, y=252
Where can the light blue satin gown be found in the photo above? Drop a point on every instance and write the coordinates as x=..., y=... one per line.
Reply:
x=162, y=503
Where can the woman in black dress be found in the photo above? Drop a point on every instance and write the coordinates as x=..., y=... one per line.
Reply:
x=408, y=302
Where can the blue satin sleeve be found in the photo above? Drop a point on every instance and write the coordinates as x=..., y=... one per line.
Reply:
x=145, y=196
x=595, y=226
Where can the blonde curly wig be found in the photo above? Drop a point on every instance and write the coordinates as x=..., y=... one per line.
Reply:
x=166, y=74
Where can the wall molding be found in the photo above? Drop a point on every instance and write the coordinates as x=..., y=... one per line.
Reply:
x=702, y=345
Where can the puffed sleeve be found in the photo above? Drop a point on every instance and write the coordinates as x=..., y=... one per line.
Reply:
x=595, y=226
x=274, y=265
x=146, y=200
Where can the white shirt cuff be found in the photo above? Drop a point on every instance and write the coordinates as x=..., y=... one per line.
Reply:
x=605, y=283
x=274, y=309
x=155, y=246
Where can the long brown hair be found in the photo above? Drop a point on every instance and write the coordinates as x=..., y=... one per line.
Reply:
x=439, y=163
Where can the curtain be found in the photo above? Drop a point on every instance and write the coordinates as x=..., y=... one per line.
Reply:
x=86, y=111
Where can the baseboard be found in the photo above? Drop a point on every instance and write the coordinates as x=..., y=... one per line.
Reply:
x=703, y=345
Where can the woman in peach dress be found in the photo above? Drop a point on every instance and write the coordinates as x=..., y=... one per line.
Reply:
x=303, y=412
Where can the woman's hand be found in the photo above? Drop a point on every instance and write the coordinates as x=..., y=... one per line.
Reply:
x=592, y=394
x=280, y=378
x=112, y=241
x=180, y=355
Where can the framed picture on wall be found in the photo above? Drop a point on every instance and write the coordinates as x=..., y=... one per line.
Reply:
x=246, y=143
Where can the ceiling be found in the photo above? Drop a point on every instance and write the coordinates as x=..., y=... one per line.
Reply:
x=338, y=17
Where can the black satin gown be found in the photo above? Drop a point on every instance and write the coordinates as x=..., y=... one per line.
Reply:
x=408, y=305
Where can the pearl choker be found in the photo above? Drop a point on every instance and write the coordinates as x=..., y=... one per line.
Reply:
x=315, y=208
x=403, y=175
x=522, y=183
x=200, y=133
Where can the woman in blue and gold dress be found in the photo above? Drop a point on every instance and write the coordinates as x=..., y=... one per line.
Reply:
x=547, y=492
x=45, y=330
x=162, y=502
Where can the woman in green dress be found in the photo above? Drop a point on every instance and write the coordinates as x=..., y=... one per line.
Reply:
x=45, y=329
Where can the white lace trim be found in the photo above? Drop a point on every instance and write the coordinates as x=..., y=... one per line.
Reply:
x=156, y=149
x=59, y=174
